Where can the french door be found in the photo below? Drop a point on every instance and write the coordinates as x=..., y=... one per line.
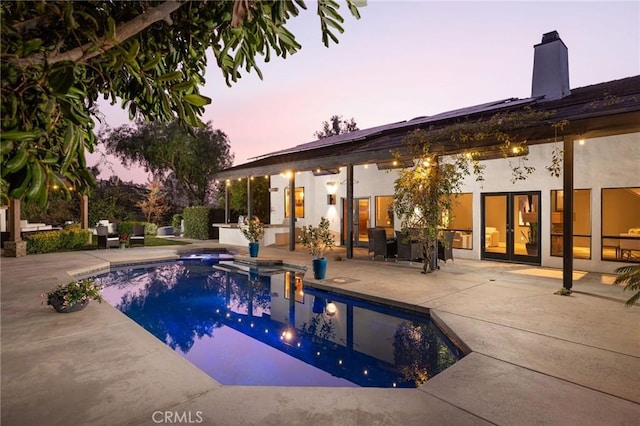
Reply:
x=510, y=228
x=361, y=221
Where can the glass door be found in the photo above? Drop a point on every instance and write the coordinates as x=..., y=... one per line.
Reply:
x=361, y=221
x=510, y=227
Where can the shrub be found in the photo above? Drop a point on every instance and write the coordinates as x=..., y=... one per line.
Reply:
x=196, y=222
x=176, y=222
x=50, y=241
x=127, y=227
x=150, y=228
x=43, y=242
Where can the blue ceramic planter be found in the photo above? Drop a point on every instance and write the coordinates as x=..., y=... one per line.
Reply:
x=253, y=249
x=319, y=268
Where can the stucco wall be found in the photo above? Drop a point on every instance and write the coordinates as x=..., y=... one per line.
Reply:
x=607, y=162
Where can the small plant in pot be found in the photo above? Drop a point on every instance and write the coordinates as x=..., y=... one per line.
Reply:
x=74, y=296
x=318, y=240
x=252, y=229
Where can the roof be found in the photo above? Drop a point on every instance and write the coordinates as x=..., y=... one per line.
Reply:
x=606, y=108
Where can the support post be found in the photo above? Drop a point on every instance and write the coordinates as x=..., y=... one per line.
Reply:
x=227, y=202
x=249, y=198
x=567, y=214
x=349, y=236
x=15, y=247
x=292, y=211
x=84, y=211
x=14, y=220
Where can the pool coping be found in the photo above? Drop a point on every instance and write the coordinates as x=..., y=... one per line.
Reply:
x=311, y=281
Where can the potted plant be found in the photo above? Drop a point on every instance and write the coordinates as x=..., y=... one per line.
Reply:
x=74, y=296
x=124, y=239
x=252, y=229
x=318, y=241
x=531, y=238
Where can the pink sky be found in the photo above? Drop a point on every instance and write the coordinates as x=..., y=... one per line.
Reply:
x=408, y=59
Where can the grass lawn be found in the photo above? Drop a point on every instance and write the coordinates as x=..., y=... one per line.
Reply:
x=155, y=241
x=149, y=241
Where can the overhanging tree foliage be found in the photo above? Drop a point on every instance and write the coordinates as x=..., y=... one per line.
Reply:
x=426, y=190
x=58, y=57
x=336, y=126
x=173, y=155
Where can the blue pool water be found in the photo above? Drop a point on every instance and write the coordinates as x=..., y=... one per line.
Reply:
x=245, y=326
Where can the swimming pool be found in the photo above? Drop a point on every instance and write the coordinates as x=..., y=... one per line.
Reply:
x=263, y=326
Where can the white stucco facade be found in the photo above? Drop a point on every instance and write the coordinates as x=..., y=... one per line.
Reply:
x=599, y=163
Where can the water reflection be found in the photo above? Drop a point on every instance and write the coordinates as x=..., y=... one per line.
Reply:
x=271, y=319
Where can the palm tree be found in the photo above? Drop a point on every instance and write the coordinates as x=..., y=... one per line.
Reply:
x=631, y=276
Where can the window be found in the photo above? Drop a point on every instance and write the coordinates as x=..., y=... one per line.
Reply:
x=621, y=224
x=298, y=290
x=299, y=200
x=460, y=220
x=384, y=214
x=581, y=223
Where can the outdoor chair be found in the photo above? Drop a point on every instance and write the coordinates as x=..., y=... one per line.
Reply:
x=445, y=247
x=406, y=248
x=106, y=240
x=383, y=246
x=370, y=237
x=137, y=236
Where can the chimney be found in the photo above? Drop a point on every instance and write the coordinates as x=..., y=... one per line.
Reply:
x=550, y=68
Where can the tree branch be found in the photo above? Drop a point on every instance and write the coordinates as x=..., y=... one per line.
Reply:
x=123, y=32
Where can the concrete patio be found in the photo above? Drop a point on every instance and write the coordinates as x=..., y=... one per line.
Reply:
x=537, y=358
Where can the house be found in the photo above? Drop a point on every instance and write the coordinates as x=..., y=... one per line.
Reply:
x=591, y=209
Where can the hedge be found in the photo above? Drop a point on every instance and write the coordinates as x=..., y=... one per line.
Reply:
x=50, y=241
x=196, y=222
x=127, y=227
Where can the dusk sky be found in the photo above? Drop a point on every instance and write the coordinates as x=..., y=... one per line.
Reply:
x=405, y=59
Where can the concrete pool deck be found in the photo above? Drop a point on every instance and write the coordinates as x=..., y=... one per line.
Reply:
x=537, y=358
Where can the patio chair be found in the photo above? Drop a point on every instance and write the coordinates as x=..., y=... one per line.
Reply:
x=370, y=237
x=106, y=240
x=407, y=249
x=383, y=246
x=445, y=247
x=137, y=236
